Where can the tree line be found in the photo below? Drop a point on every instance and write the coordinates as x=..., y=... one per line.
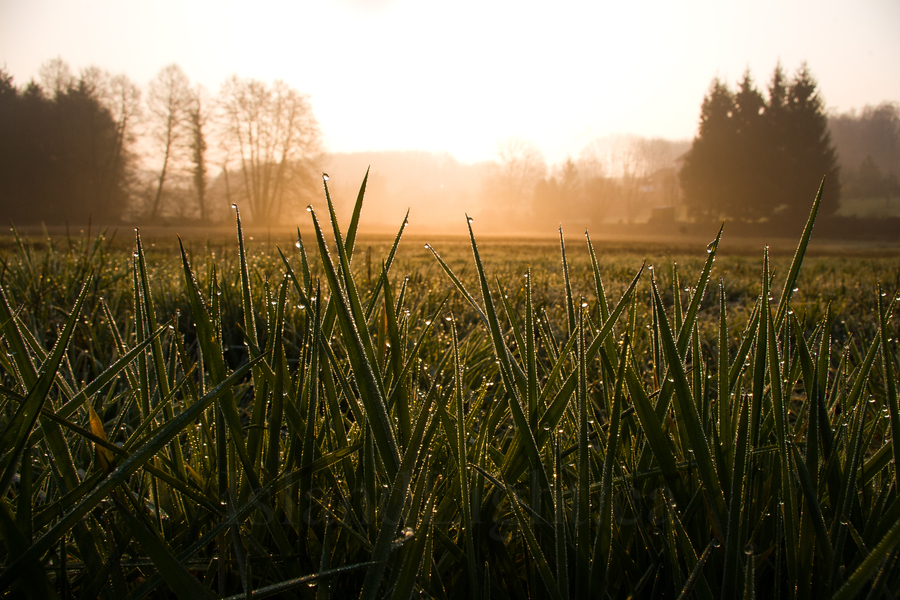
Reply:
x=92, y=146
x=868, y=146
x=761, y=158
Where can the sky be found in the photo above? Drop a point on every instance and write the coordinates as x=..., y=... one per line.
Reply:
x=464, y=76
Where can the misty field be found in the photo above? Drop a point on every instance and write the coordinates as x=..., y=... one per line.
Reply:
x=343, y=416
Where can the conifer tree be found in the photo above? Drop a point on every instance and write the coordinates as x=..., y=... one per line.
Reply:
x=754, y=159
x=707, y=175
x=808, y=152
x=750, y=199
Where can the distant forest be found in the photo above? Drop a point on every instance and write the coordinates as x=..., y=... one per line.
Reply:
x=96, y=146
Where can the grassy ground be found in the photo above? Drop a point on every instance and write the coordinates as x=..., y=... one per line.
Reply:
x=457, y=420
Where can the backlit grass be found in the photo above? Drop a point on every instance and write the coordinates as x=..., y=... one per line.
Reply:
x=329, y=419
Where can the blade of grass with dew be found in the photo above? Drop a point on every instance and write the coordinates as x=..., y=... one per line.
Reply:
x=395, y=501
x=570, y=305
x=534, y=547
x=363, y=369
x=687, y=410
x=212, y=354
x=890, y=384
x=350, y=292
x=162, y=436
x=150, y=325
x=379, y=285
x=311, y=387
x=513, y=465
x=582, y=506
x=735, y=533
x=177, y=577
x=276, y=406
x=463, y=472
x=854, y=584
x=603, y=542
x=525, y=434
x=15, y=436
x=791, y=279
x=779, y=410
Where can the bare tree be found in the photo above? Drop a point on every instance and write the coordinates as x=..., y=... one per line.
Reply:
x=122, y=98
x=629, y=161
x=56, y=76
x=522, y=165
x=169, y=100
x=275, y=137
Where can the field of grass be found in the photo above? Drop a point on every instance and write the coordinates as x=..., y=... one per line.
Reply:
x=445, y=419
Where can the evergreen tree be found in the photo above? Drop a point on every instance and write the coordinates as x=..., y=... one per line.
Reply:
x=708, y=171
x=750, y=199
x=754, y=160
x=808, y=152
x=60, y=155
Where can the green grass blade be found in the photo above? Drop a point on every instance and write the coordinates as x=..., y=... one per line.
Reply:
x=120, y=475
x=179, y=580
x=603, y=542
x=15, y=435
x=363, y=369
x=791, y=279
x=534, y=547
x=687, y=411
x=854, y=584
x=887, y=363
x=463, y=473
x=570, y=304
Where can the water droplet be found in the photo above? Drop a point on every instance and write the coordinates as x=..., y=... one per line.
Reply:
x=796, y=289
x=325, y=177
x=297, y=244
x=584, y=305
x=428, y=322
x=710, y=246
x=471, y=219
x=309, y=208
x=234, y=206
x=428, y=246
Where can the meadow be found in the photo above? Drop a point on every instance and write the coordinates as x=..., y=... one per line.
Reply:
x=337, y=416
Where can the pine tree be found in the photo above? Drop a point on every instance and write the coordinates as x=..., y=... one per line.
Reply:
x=750, y=199
x=808, y=152
x=707, y=174
x=754, y=160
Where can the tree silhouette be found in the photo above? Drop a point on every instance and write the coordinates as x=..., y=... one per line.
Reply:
x=63, y=156
x=753, y=159
x=808, y=152
x=708, y=172
x=275, y=137
x=170, y=101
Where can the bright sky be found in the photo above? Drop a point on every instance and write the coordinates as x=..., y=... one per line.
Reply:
x=462, y=76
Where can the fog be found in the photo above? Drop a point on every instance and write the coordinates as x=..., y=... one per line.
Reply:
x=614, y=179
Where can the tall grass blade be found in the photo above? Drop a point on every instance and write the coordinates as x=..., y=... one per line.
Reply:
x=363, y=369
